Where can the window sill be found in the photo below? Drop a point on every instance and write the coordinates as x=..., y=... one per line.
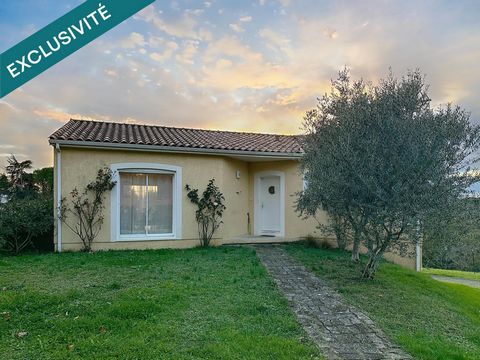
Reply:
x=167, y=237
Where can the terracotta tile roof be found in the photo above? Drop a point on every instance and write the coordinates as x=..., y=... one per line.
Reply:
x=86, y=131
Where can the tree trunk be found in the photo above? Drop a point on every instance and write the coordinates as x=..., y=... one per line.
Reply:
x=356, y=248
x=371, y=267
x=373, y=262
x=340, y=237
x=340, y=234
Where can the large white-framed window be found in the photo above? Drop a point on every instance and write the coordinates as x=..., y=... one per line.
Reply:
x=146, y=202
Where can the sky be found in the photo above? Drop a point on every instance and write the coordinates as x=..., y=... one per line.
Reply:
x=255, y=65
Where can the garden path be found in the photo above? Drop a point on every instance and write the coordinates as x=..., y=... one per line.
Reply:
x=340, y=330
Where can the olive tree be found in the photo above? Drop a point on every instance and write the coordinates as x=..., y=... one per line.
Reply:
x=380, y=157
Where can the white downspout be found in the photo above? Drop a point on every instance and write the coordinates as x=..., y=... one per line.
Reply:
x=418, y=258
x=59, y=197
x=418, y=249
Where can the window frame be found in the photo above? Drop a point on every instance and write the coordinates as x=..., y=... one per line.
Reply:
x=305, y=183
x=147, y=168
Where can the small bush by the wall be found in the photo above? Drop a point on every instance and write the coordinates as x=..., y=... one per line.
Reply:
x=210, y=208
x=86, y=208
x=311, y=241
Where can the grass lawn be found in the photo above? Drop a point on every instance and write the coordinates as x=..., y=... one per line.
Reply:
x=182, y=304
x=430, y=319
x=454, y=273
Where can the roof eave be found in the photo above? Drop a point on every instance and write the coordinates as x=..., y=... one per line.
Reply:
x=174, y=149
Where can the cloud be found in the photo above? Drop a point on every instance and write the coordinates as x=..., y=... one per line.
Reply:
x=6, y=146
x=17, y=137
x=195, y=12
x=330, y=33
x=229, y=64
x=237, y=28
x=274, y=39
x=188, y=53
x=186, y=26
x=55, y=114
x=169, y=48
x=133, y=40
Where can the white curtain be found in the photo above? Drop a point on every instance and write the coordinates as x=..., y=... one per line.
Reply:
x=160, y=204
x=133, y=203
x=146, y=203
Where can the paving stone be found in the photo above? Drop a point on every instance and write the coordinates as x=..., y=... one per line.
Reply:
x=339, y=330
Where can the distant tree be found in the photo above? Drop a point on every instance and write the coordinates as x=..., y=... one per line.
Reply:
x=451, y=239
x=380, y=158
x=17, y=181
x=21, y=182
x=4, y=185
x=43, y=180
x=86, y=207
x=16, y=170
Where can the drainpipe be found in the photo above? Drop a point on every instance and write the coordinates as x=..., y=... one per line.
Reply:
x=418, y=258
x=418, y=250
x=58, y=154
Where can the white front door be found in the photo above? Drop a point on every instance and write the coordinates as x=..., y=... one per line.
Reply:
x=269, y=203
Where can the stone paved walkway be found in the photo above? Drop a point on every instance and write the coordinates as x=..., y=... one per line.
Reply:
x=449, y=279
x=341, y=331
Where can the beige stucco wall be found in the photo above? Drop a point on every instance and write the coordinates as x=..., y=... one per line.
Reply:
x=236, y=192
x=408, y=261
x=79, y=167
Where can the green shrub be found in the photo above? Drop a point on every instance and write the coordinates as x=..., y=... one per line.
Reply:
x=21, y=220
x=86, y=208
x=210, y=208
x=451, y=240
x=44, y=242
x=311, y=241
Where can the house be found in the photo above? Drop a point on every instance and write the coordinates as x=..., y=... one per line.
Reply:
x=148, y=208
